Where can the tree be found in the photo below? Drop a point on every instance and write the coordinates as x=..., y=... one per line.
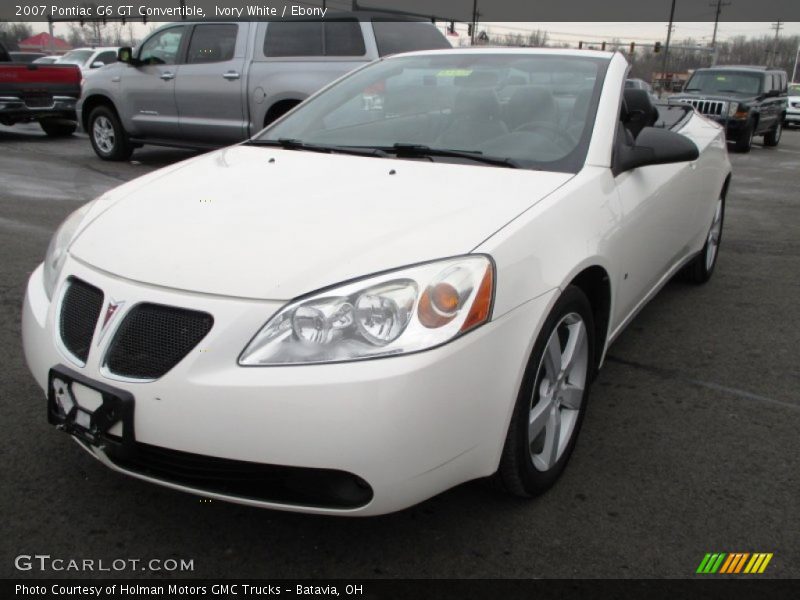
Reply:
x=75, y=35
x=13, y=33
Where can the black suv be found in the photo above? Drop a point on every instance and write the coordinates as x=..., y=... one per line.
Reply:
x=747, y=101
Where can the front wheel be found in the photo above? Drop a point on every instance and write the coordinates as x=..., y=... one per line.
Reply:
x=773, y=137
x=700, y=269
x=552, y=400
x=109, y=139
x=55, y=127
x=745, y=140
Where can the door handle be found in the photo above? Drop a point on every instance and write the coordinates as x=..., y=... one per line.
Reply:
x=167, y=75
x=230, y=75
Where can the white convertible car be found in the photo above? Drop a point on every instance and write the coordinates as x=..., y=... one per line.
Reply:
x=406, y=283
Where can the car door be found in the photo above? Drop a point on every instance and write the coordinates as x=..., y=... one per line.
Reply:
x=656, y=203
x=148, y=86
x=210, y=84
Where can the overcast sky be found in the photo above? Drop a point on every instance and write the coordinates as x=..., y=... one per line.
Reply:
x=589, y=32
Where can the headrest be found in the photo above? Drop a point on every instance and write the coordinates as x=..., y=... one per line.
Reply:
x=478, y=103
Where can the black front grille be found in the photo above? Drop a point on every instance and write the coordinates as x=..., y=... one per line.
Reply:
x=154, y=338
x=80, y=310
x=326, y=488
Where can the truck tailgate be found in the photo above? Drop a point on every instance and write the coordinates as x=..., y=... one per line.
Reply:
x=39, y=83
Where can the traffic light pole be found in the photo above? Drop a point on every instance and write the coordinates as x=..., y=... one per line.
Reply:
x=666, y=49
x=474, y=21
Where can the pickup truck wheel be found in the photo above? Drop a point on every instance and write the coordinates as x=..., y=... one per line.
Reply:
x=58, y=127
x=700, y=269
x=109, y=139
x=745, y=141
x=552, y=399
x=773, y=137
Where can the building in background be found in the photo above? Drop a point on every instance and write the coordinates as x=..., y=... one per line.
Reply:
x=44, y=42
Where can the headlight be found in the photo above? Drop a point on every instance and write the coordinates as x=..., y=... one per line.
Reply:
x=737, y=111
x=398, y=312
x=57, y=250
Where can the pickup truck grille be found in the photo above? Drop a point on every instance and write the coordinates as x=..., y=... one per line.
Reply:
x=707, y=107
x=37, y=99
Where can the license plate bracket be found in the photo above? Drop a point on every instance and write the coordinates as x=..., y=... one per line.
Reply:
x=90, y=425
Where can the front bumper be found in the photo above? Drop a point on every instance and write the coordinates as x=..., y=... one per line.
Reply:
x=792, y=116
x=409, y=426
x=733, y=127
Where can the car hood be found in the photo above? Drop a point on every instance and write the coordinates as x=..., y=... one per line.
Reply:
x=274, y=224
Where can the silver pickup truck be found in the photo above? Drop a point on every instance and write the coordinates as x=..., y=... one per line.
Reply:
x=211, y=84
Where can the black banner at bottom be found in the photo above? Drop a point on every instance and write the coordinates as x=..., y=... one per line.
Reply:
x=440, y=589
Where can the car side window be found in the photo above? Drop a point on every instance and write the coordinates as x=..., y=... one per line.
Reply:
x=212, y=43
x=293, y=38
x=162, y=48
x=343, y=38
x=106, y=58
x=314, y=38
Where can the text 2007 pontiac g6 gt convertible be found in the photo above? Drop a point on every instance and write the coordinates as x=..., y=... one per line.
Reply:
x=406, y=283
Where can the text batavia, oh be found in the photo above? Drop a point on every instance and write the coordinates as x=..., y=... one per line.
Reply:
x=183, y=590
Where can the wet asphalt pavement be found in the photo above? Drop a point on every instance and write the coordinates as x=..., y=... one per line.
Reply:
x=690, y=444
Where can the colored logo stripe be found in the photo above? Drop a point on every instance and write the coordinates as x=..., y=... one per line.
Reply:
x=711, y=563
x=758, y=563
x=734, y=563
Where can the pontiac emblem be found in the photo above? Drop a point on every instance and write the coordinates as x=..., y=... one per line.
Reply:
x=111, y=310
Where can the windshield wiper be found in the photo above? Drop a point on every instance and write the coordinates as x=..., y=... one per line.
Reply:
x=294, y=144
x=691, y=89
x=414, y=150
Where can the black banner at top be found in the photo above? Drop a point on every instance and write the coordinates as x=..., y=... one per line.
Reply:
x=455, y=10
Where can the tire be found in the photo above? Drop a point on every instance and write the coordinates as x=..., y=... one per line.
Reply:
x=58, y=127
x=109, y=139
x=701, y=268
x=745, y=141
x=772, y=137
x=533, y=458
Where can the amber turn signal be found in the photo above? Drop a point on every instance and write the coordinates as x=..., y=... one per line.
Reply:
x=438, y=305
x=482, y=305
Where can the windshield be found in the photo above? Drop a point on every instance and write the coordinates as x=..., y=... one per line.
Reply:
x=534, y=110
x=794, y=89
x=712, y=82
x=75, y=57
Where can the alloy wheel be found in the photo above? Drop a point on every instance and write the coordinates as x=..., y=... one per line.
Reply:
x=558, y=393
x=103, y=134
x=712, y=242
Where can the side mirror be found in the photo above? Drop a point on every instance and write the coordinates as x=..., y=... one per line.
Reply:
x=656, y=146
x=125, y=54
x=97, y=64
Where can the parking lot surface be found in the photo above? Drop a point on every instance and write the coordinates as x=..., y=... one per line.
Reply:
x=690, y=444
